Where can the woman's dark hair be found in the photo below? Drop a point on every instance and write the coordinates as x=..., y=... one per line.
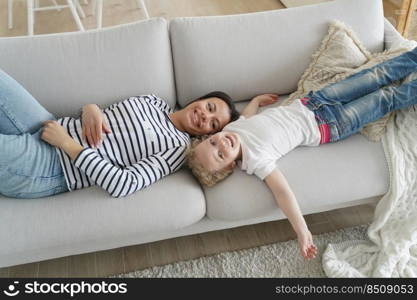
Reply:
x=234, y=114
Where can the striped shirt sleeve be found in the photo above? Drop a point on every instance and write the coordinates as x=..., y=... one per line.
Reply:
x=121, y=182
x=156, y=101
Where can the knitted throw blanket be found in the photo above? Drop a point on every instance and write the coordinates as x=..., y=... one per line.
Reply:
x=391, y=250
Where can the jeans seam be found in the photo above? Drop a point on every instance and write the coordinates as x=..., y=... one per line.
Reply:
x=31, y=194
x=333, y=125
x=317, y=103
x=9, y=115
x=13, y=172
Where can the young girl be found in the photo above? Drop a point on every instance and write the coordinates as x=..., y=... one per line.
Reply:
x=328, y=115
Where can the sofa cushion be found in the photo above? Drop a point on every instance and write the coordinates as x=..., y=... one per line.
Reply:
x=321, y=177
x=89, y=220
x=256, y=53
x=65, y=71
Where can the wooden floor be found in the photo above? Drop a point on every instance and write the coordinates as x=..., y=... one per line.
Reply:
x=127, y=259
x=124, y=11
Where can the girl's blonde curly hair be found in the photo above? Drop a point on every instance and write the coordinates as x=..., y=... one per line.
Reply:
x=204, y=176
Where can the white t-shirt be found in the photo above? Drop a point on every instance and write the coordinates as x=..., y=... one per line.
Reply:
x=271, y=134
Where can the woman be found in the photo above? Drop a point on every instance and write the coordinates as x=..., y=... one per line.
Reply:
x=124, y=148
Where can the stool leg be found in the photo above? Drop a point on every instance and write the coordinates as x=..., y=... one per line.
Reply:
x=10, y=13
x=30, y=4
x=99, y=13
x=93, y=7
x=141, y=4
x=75, y=15
x=56, y=4
x=79, y=9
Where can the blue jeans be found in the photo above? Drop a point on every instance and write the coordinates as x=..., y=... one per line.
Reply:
x=29, y=167
x=348, y=105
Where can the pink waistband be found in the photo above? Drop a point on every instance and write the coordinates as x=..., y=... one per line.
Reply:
x=325, y=133
x=304, y=100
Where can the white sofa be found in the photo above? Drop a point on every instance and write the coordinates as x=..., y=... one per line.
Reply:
x=243, y=55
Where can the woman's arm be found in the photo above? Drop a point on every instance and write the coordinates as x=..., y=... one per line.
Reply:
x=118, y=182
x=121, y=182
x=286, y=200
x=93, y=122
x=261, y=100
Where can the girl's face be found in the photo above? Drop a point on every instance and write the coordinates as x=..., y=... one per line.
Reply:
x=219, y=152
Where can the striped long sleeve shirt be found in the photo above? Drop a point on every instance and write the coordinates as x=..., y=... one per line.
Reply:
x=143, y=146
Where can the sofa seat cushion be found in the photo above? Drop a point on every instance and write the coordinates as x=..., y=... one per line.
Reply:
x=65, y=223
x=67, y=70
x=321, y=177
x=264, y=52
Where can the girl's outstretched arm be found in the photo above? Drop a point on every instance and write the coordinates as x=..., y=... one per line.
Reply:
x=261, y=100
x=286, y=200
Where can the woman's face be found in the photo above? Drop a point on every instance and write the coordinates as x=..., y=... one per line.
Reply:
x=219, y=152
x=206, y=116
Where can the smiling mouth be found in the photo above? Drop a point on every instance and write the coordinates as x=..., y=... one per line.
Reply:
x=230, y=140
x=196, y=119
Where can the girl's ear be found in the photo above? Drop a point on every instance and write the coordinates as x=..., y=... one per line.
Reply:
x=231, y=166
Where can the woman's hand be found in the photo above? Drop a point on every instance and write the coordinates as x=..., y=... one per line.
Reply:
x=93, y=125
x=307, y=247
x=54, y=134
x=266, y=99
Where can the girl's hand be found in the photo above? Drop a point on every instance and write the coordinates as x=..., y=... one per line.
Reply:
x=93, y=125
x=54, y=134
x=266, y=99
x=307, y=247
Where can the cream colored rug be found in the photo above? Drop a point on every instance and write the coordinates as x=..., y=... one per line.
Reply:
x=294, y=3
x=274, y=260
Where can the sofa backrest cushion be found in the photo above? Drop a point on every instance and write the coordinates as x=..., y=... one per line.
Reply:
x=65, y=71
x=264, y=52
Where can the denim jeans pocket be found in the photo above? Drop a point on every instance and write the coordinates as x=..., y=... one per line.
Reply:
x=39, y=187
x=61, y=189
